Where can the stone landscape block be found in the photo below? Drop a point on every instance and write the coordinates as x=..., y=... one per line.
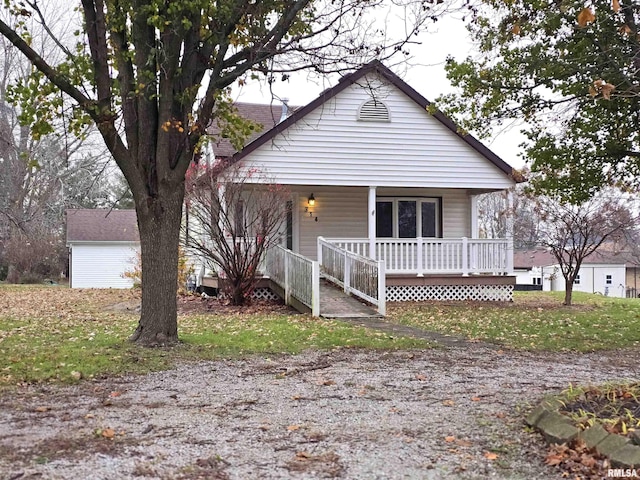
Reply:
x=548, y=405
x=533, y=418
x=611, y=444
x=592, y=436
x=626, y=457
x=556, y=428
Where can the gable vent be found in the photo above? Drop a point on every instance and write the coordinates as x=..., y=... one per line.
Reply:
x=373, y=111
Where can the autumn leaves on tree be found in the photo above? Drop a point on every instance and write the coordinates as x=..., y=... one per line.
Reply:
x=570, y=74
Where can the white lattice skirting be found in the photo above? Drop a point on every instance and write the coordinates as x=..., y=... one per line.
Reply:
x=260, y=293
x=264, y=293
x=417, y=293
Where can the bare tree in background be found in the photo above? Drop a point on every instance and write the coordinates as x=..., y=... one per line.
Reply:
x=573, y=232
x=40, y=176
x=235, y=215
x=494, y=212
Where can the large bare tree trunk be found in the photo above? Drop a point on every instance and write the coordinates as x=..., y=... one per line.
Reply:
x=568, y=292
x=159, y=227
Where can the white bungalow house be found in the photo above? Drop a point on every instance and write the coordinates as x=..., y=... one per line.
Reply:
x=373, y=171
x=103, y=244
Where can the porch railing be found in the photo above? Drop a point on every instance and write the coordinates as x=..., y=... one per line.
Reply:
x=355, y=273
x=297, y=275
x=422, y=256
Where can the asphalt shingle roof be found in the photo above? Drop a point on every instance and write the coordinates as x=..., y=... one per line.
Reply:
x=265, y=115
x=102, y=225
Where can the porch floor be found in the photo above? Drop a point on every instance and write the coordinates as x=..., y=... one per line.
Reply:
x=334, y=303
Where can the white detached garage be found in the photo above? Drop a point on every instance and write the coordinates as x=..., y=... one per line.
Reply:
x=103, y=244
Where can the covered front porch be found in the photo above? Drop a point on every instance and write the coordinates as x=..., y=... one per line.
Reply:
x=418, y=232
x=428, y=268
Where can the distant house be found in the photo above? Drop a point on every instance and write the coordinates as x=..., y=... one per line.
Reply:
x=604, y=272
x=103, y=244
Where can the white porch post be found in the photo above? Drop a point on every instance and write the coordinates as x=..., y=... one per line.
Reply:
x=315, y=289
x=475, y=231
x=382, y=289
x=465, y=257
x=371, y=222
x=510, y=217
x=420, y=260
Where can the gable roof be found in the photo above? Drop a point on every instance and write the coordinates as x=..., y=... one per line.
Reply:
x=267, y=116
x=102, y=225
x=540, y=257
x=533, y=258
x=373, y=67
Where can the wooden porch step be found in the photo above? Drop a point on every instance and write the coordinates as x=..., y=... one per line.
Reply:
x=334, y=303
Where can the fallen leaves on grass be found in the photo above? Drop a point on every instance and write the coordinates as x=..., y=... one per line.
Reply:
x=58, y=334
x=534, y=320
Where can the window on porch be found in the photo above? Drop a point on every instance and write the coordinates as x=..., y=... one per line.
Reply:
x=404, y=217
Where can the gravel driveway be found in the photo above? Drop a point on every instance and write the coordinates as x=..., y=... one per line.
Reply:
x=441, y=413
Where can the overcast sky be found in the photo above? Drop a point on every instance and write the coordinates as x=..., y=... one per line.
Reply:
x=425, y=73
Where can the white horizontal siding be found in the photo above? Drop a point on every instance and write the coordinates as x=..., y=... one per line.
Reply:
x=330, y=146
x=342, y=212
x=101, y=265
x=592, y=279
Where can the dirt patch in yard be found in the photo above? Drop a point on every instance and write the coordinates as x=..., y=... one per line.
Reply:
x=195, y=304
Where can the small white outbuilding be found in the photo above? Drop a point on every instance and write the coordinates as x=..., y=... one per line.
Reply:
x=103, y=244
x=601, y=272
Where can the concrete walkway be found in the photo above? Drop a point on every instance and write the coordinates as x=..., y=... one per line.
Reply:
x=447, y=341
x=334, y=303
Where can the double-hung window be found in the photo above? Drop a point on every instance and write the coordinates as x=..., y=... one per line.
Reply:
x=408, y=217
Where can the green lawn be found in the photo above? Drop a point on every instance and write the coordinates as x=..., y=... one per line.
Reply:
x=61, y=334
x=534, y=321
x=53, y=333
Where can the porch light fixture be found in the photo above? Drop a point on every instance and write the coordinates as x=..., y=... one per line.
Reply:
x=310, y=203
